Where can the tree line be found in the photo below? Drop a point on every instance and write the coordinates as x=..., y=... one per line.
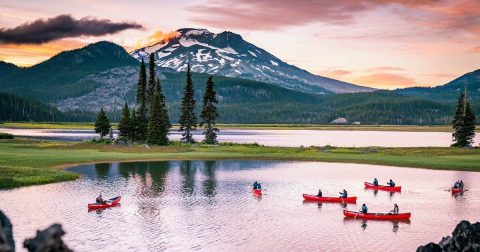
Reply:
x=150, y=123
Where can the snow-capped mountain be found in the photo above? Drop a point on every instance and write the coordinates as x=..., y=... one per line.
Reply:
x=229, y=55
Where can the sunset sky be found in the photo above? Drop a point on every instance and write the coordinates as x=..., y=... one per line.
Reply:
x=378, y=43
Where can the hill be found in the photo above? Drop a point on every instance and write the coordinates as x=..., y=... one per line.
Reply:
x=56, y=78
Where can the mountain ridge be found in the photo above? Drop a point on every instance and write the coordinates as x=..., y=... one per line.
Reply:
x=227, y=54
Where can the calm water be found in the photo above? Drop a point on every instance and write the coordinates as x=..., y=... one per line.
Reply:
x=290, y=138
x=208, y=206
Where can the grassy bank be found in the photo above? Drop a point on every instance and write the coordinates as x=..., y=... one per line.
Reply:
x=28, y=162
x=412, y=128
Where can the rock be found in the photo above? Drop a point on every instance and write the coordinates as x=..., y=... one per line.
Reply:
x=6, y=234
x=465, y=237
x=47, y=240
x=431, y=247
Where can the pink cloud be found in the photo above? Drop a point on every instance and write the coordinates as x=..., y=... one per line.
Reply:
x=274, y=15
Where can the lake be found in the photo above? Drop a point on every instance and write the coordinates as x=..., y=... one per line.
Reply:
x=208, y=206
x=286, y=138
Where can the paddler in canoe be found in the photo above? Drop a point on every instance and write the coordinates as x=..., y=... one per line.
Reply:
x=364, y=209
x=319, y=194
x=391, y=183
x=255, y=185
x=375, y=182
x=344, y=194
x=395, y=209
x=99, y=199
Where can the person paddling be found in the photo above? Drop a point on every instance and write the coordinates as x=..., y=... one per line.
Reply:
x=343, y=194
x=259, y=186
x=391, y=183
x=100, y=200
x=319, y=193
x=364, y=209
x=395, y=209
x=460, y=184
x=255, y=185
x=375, y=182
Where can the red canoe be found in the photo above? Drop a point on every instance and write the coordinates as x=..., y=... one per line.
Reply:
x=109, y=203
x=383, y=188
x=458, y=190
x=377, y=216
x=257, y=192
x=352, y=200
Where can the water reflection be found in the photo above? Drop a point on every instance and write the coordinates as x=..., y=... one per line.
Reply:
x=364, y=223
x=103, y=170
x=208, y=205
x=210, y=182
x=187, y=171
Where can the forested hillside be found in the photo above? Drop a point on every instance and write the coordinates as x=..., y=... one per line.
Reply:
x=14, y=108
x=52, y=79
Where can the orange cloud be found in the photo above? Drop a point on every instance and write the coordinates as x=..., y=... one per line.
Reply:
x=156, y=37
x=475, y=49
x=385, y=81
x=27, y=55
x=385, y=68
x=335, y=73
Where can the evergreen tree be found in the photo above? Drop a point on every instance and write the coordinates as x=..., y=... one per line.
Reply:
x=163, y=102
x=209, y=112
x=102, y=124
x=158, y=125
x=141, y=122
x=133, y=125
x=463, y=123
x=142, y=85
x=124, y=125
x=151, y=83
x=188, y=118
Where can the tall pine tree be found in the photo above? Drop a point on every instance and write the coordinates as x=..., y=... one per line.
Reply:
x=141, y=115
x=163, y=102
x=188, y=118
x=209, y=113
x=158, y=124
x=463, y=123
x=151, y=82
x=124, y=125
x=102, y=124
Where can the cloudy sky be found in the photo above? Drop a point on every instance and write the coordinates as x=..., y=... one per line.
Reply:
x=377, y=43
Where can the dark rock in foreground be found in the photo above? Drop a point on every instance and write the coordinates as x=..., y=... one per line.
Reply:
x=6, y=236
x=49, y=239
x=465, y=238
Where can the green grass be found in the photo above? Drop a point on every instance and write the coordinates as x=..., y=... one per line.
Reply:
x=412, y=128
x=29, y=162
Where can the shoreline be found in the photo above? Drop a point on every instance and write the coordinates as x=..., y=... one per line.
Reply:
x=402, y=128
x=32, y=162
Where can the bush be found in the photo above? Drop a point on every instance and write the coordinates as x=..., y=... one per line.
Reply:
x=6, y=136
x=101, y=141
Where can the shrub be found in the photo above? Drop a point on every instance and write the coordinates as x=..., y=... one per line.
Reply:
x=6, y=136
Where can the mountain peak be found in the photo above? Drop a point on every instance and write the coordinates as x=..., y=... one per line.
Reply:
x=228, y=54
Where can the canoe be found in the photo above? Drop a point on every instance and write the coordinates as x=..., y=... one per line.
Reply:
x=257, y=192
x=383, y=188
x=109, y=203
x=377, y=216
x=458, y=190
x=308, y=197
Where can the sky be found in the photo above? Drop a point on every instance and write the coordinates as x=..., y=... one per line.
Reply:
x=384, y=44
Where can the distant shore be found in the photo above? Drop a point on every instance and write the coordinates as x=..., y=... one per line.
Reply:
x=409, y=128
x=29, y=162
